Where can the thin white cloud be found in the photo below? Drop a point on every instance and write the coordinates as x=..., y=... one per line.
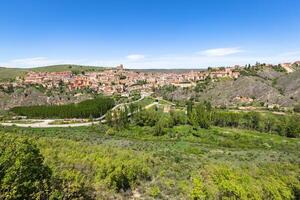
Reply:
x=220, y=52
x=135, y=57
x=32, y=62
x=163, y=61
x=36, y=62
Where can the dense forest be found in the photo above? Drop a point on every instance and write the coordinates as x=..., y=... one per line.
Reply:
x=85, y=109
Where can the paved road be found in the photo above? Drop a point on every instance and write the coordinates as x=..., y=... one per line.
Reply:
x=46, y=123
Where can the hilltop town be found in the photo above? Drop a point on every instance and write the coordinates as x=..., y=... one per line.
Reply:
x=119, y=80
x=260, y=84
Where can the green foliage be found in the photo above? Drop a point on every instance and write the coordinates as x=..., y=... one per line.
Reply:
x=23, y=174
x=200, y=116
x=163, y=124
x=147, y=117
x=94, y=107
x=109, y=118
x=215, y=163
x=141, y=82
x=297, y=108
x=165, y=90
x=122, y=174
x=250, y=70
x=283, y=125
x=198, y=191
x=118, y=118
x=279, y=68
x=168, y=88
x=155, y=191
x=179, y=117
x=159, y=155
x=189, y=108
x=202, y=85
x=135, y=95
x=224, y=182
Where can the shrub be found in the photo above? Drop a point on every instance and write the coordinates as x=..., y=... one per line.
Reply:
x=297, y=108
x=123, y=173
x=154, y=191
x=163, y=124
x=179, y=117
x=146, y=117
x=200, y=116
x=198, y=191
x=23, y=174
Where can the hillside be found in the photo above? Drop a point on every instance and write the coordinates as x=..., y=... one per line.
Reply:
x=260, y=86
x=190, y=152
x=264, y=87
x=60, y=68
x=36, y=96
x=11, y=73
x=228, y=92
x=290, y=85
x=185, y=164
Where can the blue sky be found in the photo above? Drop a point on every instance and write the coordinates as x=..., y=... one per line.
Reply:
x=148, y=33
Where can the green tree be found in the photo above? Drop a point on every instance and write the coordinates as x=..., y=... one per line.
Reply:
x=108, y=118
x=122, y=119
x=200, y=116
x=163, y=124
x=179, y=117
x=23, y=174
x=189, y=108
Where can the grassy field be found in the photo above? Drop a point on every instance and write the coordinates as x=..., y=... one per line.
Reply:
x=11, y=73
x=184, y=164
x=146, y=101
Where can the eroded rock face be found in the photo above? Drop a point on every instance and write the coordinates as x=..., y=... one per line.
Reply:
x=290, y=85
x=270, y=74
x=268, y=88
x=256, y=88
x=32, y=96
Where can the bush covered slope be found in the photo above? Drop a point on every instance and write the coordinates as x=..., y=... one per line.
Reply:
x=185, y=163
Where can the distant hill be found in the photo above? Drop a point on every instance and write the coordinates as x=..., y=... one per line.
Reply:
x=60, y=68
x=7, y=74
x=11, y=73
x=167, y=70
